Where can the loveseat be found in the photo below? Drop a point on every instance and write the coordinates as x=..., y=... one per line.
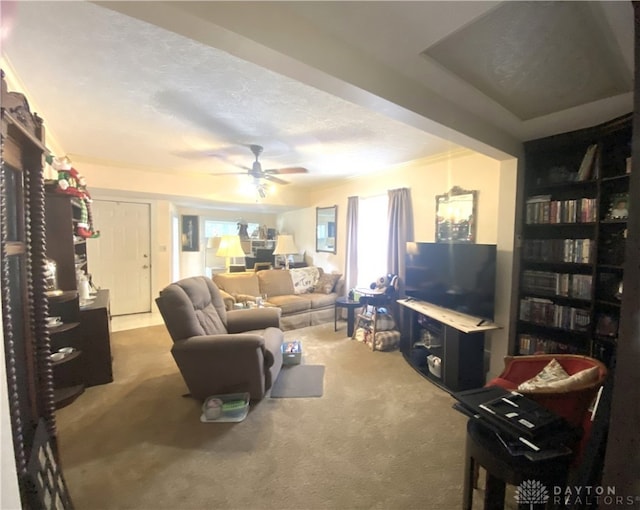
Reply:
x=306, y=296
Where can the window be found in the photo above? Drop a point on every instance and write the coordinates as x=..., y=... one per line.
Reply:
x=215, y=228
x=372, y=239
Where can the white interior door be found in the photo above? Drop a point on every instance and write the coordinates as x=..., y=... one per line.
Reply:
x=120, y=259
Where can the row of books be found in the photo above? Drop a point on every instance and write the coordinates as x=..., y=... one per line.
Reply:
x=561, y=284
x=541, y=209
x=531, y=344
x=547, y=313
x=558, y=250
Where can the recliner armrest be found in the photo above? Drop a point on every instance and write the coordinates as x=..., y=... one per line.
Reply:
x=208, y=343
x=229, y=300
x=252, y=319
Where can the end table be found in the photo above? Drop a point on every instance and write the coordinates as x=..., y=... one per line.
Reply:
x=350, y=305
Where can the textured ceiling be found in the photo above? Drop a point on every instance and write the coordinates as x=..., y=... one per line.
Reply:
x=536, y=58
x=342, y=88
x=116, y=89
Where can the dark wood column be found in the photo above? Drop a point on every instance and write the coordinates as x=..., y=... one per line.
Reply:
x=622, y=459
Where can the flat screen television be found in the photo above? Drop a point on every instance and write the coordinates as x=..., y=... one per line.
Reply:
x=457, y=276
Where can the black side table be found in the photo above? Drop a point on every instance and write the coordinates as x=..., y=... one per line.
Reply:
x=484, y=449
x=350, y=305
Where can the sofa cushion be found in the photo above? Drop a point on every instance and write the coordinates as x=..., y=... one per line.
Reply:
x=321, y=300
x=274, y=282
x=552, y=372
x=238, y=284
x=304, y=279
x=326, y=283
x=291, y=303
x=560, y=384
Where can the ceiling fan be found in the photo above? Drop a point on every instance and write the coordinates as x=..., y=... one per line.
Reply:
x=257, y=172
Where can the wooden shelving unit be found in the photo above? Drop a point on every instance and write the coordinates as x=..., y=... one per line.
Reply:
x=572, y=253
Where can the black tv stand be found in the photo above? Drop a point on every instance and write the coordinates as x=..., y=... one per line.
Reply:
x=456, y=338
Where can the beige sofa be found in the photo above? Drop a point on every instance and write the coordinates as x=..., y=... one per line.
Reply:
x=306, y=296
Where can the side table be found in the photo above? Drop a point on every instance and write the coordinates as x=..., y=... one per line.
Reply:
x=350, y=305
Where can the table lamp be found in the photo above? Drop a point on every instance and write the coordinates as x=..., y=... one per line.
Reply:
x=285, y=246
x=230, y=247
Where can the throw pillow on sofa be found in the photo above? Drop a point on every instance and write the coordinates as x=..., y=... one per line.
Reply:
x=553, y=379
x=326, y=283
x=304, y=279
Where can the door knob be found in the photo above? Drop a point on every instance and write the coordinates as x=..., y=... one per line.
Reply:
x=145, y=267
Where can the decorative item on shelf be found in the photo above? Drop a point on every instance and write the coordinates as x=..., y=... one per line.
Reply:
x=243, y=227
x=628, y=165
x=51, y=277
x=618, y=207
x=607, y=325
x=585, y=170
x=285, y=246
x=71, y=182
x=229, y=248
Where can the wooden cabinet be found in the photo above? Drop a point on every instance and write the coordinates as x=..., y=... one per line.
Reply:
x=453, y=337
x=573, y=241
x=68, y=381
x=86, y=324
x=27, y=340
x=95, y=329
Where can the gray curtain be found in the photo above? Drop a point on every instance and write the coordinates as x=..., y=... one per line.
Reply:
x=400, y=231
x=351, y=263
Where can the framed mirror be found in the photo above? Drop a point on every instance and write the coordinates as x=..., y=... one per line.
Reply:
x=326, y=229
x=456, y=216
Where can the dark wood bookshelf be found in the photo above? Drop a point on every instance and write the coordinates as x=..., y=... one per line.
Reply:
x=557, y=181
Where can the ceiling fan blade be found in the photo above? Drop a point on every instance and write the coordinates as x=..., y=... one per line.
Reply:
x=271, y=178
x=288, y=170
x=228, y=173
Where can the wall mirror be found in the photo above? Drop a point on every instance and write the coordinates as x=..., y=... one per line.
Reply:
x=456, y=216
x=326, y=228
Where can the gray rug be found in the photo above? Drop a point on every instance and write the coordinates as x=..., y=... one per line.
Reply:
x=299, y=381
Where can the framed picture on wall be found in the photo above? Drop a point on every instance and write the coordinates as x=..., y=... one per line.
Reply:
x=190, y=233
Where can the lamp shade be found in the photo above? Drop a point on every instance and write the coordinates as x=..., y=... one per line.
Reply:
x=285, y=245
x=213, y=243
x=230, y=247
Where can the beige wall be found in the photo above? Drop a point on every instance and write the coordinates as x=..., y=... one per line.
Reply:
x=426, y=179
x=495, y=182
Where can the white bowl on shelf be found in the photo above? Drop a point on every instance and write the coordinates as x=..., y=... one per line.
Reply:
x=53, y=321
x=57, y=356
x=66, y=350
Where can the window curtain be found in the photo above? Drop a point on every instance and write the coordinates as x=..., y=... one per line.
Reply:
x=351, y=263
x=400, y=231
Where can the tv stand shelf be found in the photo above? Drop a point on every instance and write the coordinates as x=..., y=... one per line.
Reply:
x=456, y=338
x=460, y=321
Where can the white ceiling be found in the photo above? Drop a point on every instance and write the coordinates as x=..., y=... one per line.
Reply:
x=341, y=88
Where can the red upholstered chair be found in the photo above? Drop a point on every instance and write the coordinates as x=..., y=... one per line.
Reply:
x=572, y=404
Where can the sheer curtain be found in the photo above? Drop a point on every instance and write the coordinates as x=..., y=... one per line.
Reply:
x=372, y=238
x=400, y=231
x=351, y=263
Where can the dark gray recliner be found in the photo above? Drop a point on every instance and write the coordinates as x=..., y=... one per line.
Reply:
x=217, y=351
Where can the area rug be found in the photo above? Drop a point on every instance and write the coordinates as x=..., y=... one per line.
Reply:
x=299, y=381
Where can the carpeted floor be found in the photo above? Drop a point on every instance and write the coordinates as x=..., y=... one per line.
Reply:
x=381, y=437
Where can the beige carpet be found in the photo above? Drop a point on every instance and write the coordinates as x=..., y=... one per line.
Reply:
x=380, y=437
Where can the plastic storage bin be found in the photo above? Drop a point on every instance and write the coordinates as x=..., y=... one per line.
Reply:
x=225, y=408
x=291, y=353
x=435, y=365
